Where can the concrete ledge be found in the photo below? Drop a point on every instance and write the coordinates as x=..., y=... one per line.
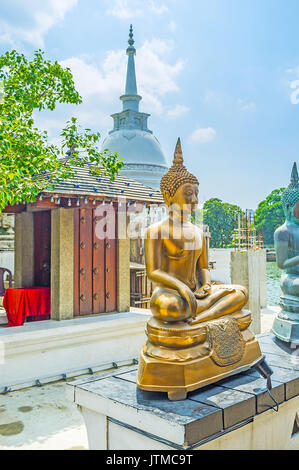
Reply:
x=39, y=349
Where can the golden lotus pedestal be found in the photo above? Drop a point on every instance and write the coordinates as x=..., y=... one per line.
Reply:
x=181, y=357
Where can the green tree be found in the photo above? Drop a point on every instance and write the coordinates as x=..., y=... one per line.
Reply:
x=28, y=162
x=220, y=217
x=269, y=215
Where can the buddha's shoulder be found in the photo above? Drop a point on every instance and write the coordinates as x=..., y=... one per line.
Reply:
x=154, y=229
x=281, y=233
x=197, y=229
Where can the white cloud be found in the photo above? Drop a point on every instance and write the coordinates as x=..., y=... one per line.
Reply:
x=294, y=85
x=172, y=26
x=157, y=7
x=295, y=94
x=294, y=71
x=126, y=9
x=203, y=135
x=246, y=105
x=29, y=21
x=154, y=74
x=90, y=80
x=225, y=100
x=212, y=96
x=178, y=111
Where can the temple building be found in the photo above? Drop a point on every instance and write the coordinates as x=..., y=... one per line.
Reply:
x=59, y=245
x=130, y=137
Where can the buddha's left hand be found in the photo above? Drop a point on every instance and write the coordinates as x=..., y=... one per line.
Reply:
x=203, y=291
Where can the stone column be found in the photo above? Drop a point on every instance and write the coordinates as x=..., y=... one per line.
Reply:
x=62, y=264
x=123, y=264
x=248, y=268
x=24, y=250
x=263, y=278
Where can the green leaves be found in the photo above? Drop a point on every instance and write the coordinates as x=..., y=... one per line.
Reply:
x=28, y=162
x=220, y=217
x=269, y=215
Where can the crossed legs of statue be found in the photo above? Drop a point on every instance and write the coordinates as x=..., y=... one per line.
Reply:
x=168, y=305
x=289, y=284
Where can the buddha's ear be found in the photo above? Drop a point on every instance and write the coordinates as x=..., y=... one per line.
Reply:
x=296, y=210
x=167, y=198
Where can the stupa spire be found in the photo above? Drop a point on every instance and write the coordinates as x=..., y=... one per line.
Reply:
x=131, y=99
x=131, y=40
x=130, y=118
x=294, y=175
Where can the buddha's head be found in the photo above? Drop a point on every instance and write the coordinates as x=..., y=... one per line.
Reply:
x=290, y=198
x=178, y=186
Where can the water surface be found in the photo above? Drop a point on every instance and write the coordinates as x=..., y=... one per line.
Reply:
x=273, y=283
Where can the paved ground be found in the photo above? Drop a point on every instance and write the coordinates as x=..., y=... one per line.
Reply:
x=3, y=317
x=42, y=418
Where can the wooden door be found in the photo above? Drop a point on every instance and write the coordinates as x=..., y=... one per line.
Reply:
x=85, y=263
x=95, y=261
x=110, y=264
x=42, y=248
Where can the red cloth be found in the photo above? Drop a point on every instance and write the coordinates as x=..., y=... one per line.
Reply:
x=26, y=302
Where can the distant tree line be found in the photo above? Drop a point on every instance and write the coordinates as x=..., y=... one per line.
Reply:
x=269, y=215
x=221, y=218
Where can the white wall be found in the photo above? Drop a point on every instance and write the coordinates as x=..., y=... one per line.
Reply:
x=7, y=260
x=222, y=265
x=49, y=348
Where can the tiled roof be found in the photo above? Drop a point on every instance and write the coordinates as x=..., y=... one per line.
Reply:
x=87, y=184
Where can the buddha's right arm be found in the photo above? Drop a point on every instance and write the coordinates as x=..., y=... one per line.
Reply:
x=281, y=243
x=165, y=280
x=289, y=263
x=153, y=256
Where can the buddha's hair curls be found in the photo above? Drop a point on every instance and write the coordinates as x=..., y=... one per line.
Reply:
x=290, y=196
x=177, y=174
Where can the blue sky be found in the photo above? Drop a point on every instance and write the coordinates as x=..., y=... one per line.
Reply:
x=221, y=74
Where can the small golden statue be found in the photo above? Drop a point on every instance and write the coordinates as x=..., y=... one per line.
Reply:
x=198, y=333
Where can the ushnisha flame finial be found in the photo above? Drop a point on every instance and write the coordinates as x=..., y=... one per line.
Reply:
x=294, y=175
x=177, y=174
x=290, y=195
x=178, y=154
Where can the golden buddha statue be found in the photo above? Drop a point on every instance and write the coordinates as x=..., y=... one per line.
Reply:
x=198, y=333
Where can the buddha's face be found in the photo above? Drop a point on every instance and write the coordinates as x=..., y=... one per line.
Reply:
x=185, y=198
x=296, y=212
x=292, y=214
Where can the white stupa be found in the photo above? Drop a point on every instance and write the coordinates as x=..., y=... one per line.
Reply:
x=135, y=143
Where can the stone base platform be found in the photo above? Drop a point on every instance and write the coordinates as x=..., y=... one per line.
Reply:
x=235, y=413
x=50, y=350
x=286, y=330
